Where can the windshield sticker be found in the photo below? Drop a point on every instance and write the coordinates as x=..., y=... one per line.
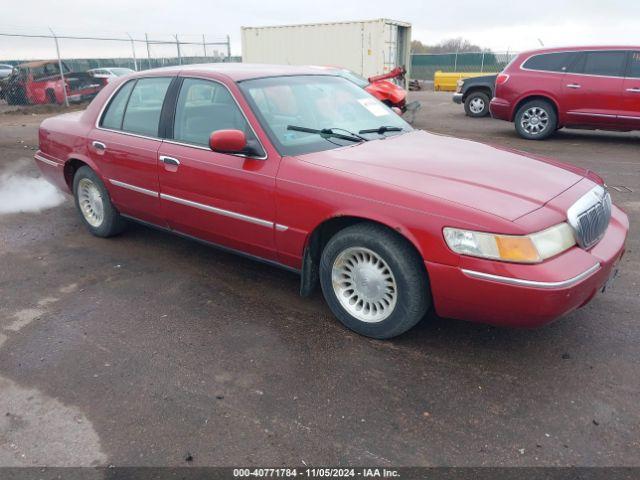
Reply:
x=374, y=106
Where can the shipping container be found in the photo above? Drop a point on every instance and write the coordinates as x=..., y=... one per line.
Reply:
x=370, y=47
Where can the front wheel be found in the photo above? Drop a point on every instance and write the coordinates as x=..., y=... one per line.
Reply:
x=95, y=207
x=476, y=105
x=374, y=281
x=536, y=120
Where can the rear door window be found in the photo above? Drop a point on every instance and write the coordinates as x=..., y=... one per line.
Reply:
x=634, y=65
x=549, y=62
x=142, y=113
x=115, y=111
x=605, y=63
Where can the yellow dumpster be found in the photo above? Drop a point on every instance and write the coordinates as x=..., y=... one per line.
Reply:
x=447, y=81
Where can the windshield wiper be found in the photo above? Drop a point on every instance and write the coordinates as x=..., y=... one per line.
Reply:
x=330, y=133
x=381, y=130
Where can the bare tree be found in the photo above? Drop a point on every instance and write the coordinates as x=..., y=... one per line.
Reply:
x=451, y=45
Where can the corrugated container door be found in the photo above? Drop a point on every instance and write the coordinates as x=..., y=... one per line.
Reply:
x=390, y=39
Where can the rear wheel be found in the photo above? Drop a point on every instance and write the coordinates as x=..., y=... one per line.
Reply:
x=476, y=104
x=92, y=201
x=536, y=120
x=374, y=281
x=51, y=97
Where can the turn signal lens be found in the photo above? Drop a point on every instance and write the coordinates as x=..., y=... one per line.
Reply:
x=532, y=248
x=517, y=249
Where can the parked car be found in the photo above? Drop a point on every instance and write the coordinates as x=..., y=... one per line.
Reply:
x=475, y=94
x=307, y=171
x=582, y=87
x=110, y=73
x=5, y=71
x=40, y=83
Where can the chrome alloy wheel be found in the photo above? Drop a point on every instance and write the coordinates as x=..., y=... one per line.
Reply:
x=476, y=105
x=91, y=203
x=364, y=284
x=535, y=120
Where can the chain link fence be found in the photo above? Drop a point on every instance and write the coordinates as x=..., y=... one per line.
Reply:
x=424, y=65
x=54, y=68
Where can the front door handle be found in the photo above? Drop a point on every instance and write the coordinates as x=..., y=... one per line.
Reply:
x=99, y=146
x=169, y=160
x=574, y=85
x=633, y=90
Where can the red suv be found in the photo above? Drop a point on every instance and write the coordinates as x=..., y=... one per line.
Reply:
x=585, y=87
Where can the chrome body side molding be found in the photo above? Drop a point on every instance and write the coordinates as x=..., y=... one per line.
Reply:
x=533, y=283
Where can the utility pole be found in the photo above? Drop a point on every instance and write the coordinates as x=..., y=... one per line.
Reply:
x=228, y=48
x=204, y=46
x=64, y=83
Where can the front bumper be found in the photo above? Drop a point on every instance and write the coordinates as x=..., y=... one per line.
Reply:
x=539, y=295
x=457, y=98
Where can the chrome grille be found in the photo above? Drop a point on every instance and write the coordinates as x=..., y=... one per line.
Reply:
x=590, y=216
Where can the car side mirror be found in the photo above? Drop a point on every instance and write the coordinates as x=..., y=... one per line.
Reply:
x=228, y=141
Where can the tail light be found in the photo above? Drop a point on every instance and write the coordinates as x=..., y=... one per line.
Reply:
x=502, y=79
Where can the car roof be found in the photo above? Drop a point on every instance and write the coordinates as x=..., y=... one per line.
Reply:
x=242, y=71
x=580, y=49
x=37, y=63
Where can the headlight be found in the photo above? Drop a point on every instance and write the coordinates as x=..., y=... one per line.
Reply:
x=533, y=248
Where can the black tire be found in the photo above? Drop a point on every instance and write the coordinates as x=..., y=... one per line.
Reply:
x=413, y=296
x=544, y=110
x=14, y=97
x=473, y=101
x=112, y=223
x=51, y=97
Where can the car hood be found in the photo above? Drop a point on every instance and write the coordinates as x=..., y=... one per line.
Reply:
x=494, y=180
x=482, y=79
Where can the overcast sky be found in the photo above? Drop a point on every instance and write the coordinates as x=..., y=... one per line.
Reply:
x=513, y=25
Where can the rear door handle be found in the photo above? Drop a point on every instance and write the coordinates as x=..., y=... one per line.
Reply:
x=99, y=146
x=633, y=90
x=169, y=160
x=574, y=85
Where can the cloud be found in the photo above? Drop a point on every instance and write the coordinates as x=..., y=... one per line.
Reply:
x=500, y=25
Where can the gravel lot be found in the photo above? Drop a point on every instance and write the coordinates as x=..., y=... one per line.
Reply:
x=148, y=348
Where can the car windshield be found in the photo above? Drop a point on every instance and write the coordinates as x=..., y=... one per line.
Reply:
x=121, y=72
x=354, y=78
x=317, y=102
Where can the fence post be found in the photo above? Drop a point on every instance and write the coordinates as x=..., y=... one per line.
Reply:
x=146, y=39
x=64, y=83
x=455, y=63
x=204, y=46
x=482, y=66
x=178, y=47
x=228, y=49
x=133, y=50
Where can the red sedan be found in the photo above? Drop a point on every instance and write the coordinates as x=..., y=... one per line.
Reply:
x=309, y=172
